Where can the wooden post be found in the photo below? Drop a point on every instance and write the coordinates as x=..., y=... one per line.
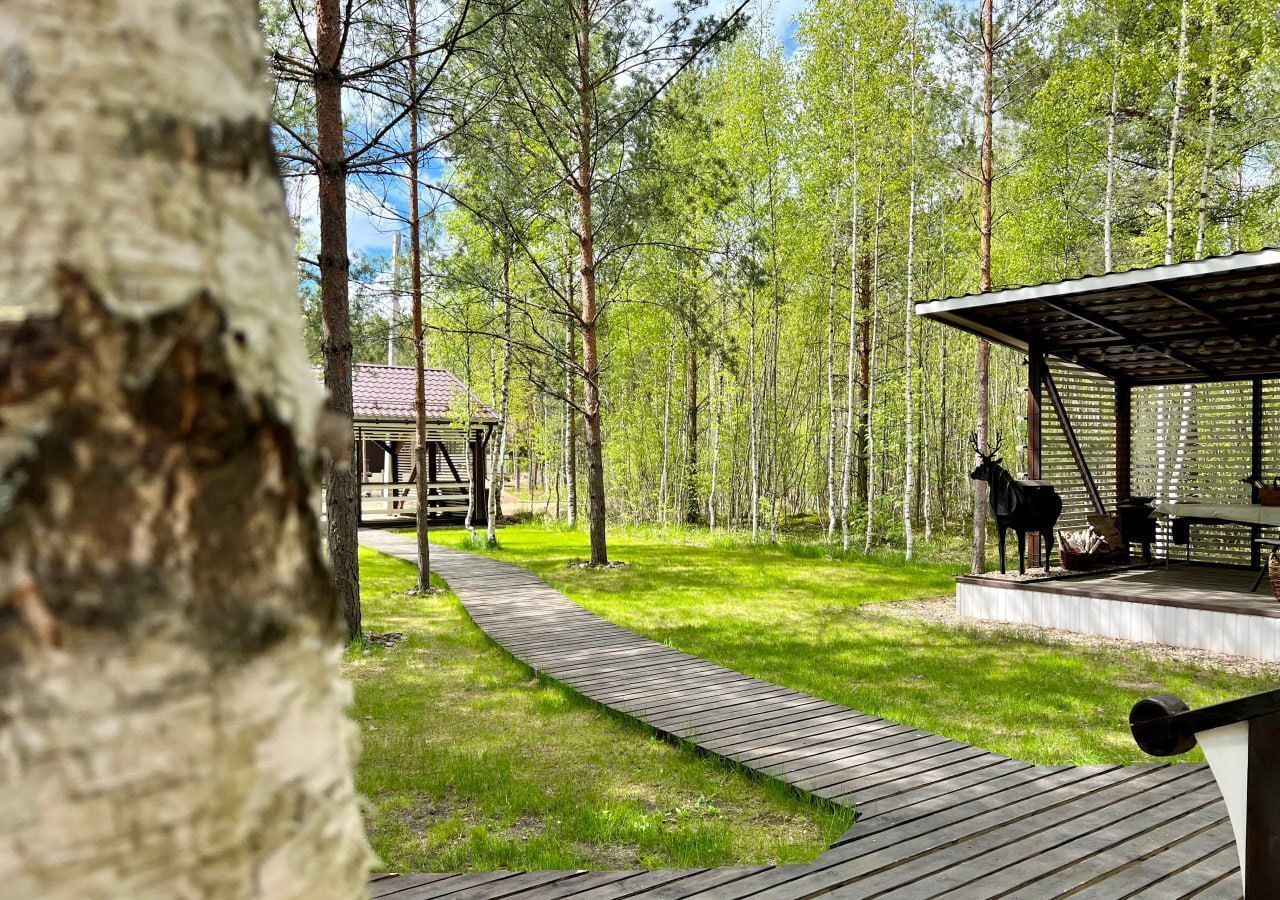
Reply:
x=1255, y=461
x=1124, y=441
x=361, y=477
x=480, y=502
x=431, y=473
x=1035, y=374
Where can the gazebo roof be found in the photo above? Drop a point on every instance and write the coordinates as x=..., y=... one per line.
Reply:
x=1214, y=319
x=388, y=392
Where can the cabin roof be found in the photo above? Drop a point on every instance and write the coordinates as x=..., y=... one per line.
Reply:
x=1215, y=319
x=388, y=392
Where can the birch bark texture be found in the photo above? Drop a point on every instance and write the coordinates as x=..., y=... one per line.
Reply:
x=173, y=714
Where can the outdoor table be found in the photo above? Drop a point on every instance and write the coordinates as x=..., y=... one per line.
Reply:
x=1236, y=513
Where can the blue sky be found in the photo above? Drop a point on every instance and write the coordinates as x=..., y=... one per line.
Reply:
x=376, y=208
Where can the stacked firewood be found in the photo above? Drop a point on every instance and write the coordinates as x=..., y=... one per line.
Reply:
x=1085, y=542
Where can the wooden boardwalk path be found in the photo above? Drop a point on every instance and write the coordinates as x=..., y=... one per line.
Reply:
x=936, y=818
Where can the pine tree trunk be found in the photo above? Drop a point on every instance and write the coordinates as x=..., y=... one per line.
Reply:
x=419, y=334
x=173, y=719
x=342, y=491
x=584, y=187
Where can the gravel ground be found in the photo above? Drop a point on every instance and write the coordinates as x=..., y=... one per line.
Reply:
x=942, y=611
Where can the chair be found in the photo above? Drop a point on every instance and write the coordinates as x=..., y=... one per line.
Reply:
x=1271, y=546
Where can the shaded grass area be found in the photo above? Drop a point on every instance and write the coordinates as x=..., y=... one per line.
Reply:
x=471, y=762
x=795, y=616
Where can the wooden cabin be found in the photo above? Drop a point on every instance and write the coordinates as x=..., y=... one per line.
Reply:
x=1160, y=383
x=458, y=431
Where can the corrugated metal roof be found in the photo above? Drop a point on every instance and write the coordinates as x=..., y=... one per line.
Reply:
x=1214, y=319
x=388, y=392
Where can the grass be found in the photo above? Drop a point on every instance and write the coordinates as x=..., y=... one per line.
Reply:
x=793, y=615
x=470, y=762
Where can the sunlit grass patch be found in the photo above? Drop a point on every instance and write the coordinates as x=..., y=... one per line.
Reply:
x=807, y=619
x=471, y=762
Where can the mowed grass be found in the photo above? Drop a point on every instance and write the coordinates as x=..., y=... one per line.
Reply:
x=470, y=762
x=796, y=617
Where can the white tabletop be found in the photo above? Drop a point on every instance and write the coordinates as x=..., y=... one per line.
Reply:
x=1240, y=513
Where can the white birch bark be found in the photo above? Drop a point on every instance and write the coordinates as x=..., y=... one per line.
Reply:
x=173, y=711
x=1175, y=119
x=833, y=424
x=909, y=475
x=1109, y=199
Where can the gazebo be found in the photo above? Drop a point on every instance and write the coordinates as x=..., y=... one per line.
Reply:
x=458, y=430
x=1163, y=383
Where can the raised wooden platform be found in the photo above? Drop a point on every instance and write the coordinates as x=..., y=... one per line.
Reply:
x=1198, y=606
x=936, y=817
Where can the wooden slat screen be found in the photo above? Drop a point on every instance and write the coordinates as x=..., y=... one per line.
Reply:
x=1091, y=407
x=1193, y=443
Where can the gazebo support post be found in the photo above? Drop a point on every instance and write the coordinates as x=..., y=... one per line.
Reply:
x=1255, y=460
x=1124, y=440
x=1035, y=375
x=480, y=502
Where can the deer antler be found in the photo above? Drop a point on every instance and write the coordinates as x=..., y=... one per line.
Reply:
x=973, y=442
x=999, y=443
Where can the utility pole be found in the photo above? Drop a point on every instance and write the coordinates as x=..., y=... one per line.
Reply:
x=396, y=287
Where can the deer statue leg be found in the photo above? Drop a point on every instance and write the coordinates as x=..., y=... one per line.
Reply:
x=1022, y=552
x=1001, y=530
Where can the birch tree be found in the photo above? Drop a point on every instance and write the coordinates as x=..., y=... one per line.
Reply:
x=174, y=714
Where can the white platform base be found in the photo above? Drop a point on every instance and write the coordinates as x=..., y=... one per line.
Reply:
x=1201, y=629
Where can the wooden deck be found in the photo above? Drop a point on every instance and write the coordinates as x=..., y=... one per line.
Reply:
x=1186, y=586
x=1197, y=606
x=936, y=817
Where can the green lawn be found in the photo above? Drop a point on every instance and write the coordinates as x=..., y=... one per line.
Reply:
x=469, y=762
x=796, y=618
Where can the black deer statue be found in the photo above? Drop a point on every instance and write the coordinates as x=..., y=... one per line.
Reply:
x=1021, y=505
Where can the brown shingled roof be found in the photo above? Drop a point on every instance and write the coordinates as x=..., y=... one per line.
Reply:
x=387, y=392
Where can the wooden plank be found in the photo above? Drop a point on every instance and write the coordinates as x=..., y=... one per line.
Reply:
x=1219, y=871
x=1146, y=859
x=1040, y=862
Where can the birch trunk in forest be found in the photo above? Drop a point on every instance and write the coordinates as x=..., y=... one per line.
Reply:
x=908, y=486
x=832, y=419
x=173, y=716
x=570, y=425
x=1109, y=198
x=342, y=486
x=846, y=475
x=1206, y=166
x=1175, y=119
x=692, y=506
x=986, y=178
x=871, y=369
x=498, y=463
